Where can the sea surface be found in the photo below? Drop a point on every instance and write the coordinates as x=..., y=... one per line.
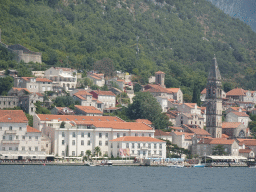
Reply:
x=118, y=178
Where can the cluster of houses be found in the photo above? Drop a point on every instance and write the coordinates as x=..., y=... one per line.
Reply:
x=71, y=132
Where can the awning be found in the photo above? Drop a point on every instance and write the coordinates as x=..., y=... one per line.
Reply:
x=227, y=157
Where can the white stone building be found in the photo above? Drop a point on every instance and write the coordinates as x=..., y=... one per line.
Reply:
x=97, y=78
x=238, y=117
x=182, y=139
x=65, y=78
x=139, y=147
x=108, y=98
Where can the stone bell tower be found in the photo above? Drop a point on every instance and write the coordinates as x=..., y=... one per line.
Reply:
x=214, y=101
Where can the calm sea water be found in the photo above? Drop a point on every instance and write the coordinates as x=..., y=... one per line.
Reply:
x=79, y=178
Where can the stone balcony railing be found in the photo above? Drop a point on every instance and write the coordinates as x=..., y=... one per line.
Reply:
x=10, y=132
x=10, y=141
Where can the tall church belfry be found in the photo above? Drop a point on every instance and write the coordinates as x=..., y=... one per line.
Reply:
x=214, y=101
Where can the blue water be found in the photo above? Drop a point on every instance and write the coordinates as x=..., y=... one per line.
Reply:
x=78, y=178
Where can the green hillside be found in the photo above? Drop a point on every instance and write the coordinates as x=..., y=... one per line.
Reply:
x=178, y=37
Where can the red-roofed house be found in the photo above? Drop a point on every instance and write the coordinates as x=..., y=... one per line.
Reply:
x=139, y=147
x=146, y=121
x=87, y=111
x=62, y=111
x=108, y=98
x=247, y=143
x=247, y=152
x=159, y=134
x=182, y=139
x=234, y=129
x=236, y=116
x=98, y=79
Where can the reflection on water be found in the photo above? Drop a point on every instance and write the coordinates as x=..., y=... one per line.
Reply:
x=82, y=178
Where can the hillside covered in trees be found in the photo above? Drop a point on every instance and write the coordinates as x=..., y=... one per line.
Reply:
x=178, y=37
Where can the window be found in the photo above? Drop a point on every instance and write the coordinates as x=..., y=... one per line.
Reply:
x=82, y=142
x=88, y=143
x=29, y=137
x=36, y=137
x=100, y=143
x=142, y=134
x=82, y=134
x=154, y=146
x=16, y=148
x=62, y=153
x=23, y=137
x=89, y=134
x=132, y=151
x=3, y=137
x=149, y=145
x=29, y=148
x=133, y=145
x=3, y=148
x=10, y=148
x=149, y=152
x=100, y=135
x=111, y=145
x=20, y=128
x=160, y=146
x=63, y=142
x=10, y=128
x=106, y=143
x=106, y=135
x=82, y=153
x=63, y=134
x=36, y=148
x=136, y=134
x=124, y=134
x=17, y=137
x=138, y=145
x=23, y=148
x=117, y=135
x=155, y=152
x=127, y=145
x=73, y=142
x=10, y=137
x=73, y=153
x=73, y=134
x=117, y=145
x=138, y=152
x=160, y=153
x=144, y=153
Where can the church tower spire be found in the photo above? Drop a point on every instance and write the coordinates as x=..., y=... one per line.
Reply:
x=214, y=101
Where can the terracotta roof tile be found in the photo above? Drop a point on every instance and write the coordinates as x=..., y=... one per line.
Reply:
x=138, y=139
x=204, y=91
x=144, y=121
x=82, y=92
x=32, y=130
x=39, y=94
x=172, y=90
x=225, y=136
x=177, y=128
x=43, y=80
x=88, y=109
x=217, y=141
x=236, y=92
x=237, y=109
x=27, y=78
x=245, y=150
x=107, y=93
x=240, y=114
x=161, y=133
x=21, y=89
x=159, y=72
x=230, y=125
x=198, y=131
x=155, y=88
x=247, y=142
x=13, y=116
x=187, y=135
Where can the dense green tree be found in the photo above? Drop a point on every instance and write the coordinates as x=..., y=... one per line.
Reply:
x=97, y=151
x=196, y=95
x=219, y=150
x=6, y=84
x=88, y=153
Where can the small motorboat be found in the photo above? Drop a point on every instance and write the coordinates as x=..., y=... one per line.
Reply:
x=198, y=165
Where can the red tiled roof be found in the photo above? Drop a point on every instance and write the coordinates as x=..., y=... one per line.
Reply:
x=20, y=89
x=225, y=136
x=13, y=116
x=240, y=114
x=88, y=109
x=247, y=142
x=43, y=80
x=32, y=130
x=161, y=133
x=204, y=91
x=198, y=131
x=155, y=88
x=47, y=117
x=108, y=93
x=138, y=139
x=144, y=121
x=82, y=92
x=190, y=105
x=230, y=125
x=116, y=125
x=96, y=76
x=177, y=128
x=236, y=92
x=172, y=90
x=39, y=94
x=187, y=135
x=27, y=78
x=159, y=72
x=245, y=150
x=217, y=141
x=237, y=108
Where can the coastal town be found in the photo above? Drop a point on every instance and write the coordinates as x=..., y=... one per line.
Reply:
x=90, y=131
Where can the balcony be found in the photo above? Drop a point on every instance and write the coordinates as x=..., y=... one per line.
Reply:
x=10, y=132
x=144, y=148
x=10, y=141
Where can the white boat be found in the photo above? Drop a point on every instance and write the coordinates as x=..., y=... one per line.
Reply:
x=175, y=166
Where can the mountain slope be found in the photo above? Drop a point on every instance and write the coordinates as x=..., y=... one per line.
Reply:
x=178, y=37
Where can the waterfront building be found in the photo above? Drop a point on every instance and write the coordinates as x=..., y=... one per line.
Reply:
x=139, y=147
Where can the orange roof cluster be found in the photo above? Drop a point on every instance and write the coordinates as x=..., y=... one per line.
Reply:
x=138, y=139
x=39, y=94
x=47, y=117
x=43, y=80
x=155, y=88
x=172, y=90
x=99, y=92
x=245, y=150
x=26, y=78
x=146, y=121
x=216, y=141
x=13, y=116
x=237, y=108
x=116, y=125
x=96, y=76
x=88, y=109
x=172, y=114
x=230, y=125
x=159, y=132
x=247, y=142
x=190, y=105
x=20, y=89
x=32, y=130
x=240, y=114
x=236, y=92
x=82, y=92
x=198, y=131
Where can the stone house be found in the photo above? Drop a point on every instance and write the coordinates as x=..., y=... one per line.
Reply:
x=182, y=139
x=36, y=85
x=62, y=78
x=176, y=94
x=97, y=78
x=120, y=83
x=159, y=134
x=62, y=111
x=235, y=109
x=234, y=129
x=238, y=117
x=191, y=108
x=189, y=119
x=108, y=98
x=247, y=152
x=198, y=132
x=247, y=143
